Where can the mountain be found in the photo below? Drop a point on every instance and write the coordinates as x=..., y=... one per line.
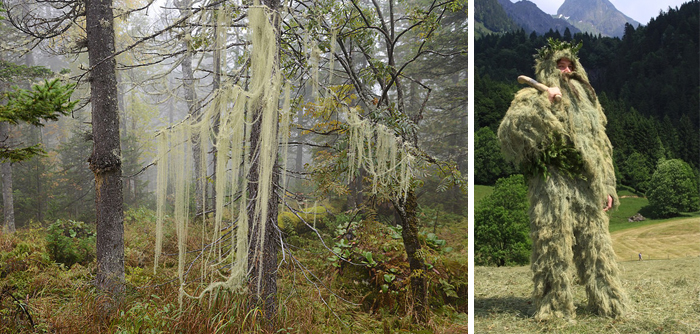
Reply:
x=531, y=18
x=596, y=17
x=490, y=17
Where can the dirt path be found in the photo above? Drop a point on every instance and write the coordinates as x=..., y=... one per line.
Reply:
x=674, y=239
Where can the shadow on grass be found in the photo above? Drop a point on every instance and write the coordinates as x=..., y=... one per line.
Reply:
x=517, y=306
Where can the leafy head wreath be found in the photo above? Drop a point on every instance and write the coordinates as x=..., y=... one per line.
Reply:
x=554, y=45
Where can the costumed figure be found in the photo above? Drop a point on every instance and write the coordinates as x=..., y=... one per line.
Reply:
x=567, y=160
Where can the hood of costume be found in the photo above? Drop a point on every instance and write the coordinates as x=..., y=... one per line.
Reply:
x=546, y=70
x=532, y=124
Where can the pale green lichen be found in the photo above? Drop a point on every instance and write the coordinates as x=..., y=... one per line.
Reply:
x=234, y=107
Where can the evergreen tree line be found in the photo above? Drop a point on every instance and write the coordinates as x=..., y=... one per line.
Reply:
x=647, y=83
x=58, y=184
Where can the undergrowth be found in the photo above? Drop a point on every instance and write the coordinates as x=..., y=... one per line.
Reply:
x=47, y=275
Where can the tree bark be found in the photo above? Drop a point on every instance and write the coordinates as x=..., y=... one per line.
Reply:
x=105, y=161
x=266, y=297
x=193, y=106
x=299, y=153
x=409, y=222
x=263, y=295
x=7, y=196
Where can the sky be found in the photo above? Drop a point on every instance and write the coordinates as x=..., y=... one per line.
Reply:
x=640, y=10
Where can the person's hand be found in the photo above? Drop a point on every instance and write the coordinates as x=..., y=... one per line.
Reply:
x=552, y=92
x=609, y=204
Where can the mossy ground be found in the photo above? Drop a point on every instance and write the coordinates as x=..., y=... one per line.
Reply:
x=312, y=298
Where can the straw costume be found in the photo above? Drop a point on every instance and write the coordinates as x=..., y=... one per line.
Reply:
x=567, y=159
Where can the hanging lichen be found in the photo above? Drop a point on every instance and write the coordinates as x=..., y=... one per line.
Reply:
x=225, y=263
x=384, y=156
x=161, y=192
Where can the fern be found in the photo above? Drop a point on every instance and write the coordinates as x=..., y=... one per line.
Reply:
x=558, y=152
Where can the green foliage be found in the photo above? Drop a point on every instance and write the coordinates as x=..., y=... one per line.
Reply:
x=76, y=198
x=70, y=242
x=673, y=189
x=446, y=197
x=635, y=172
x=557, y=152
x=501, y=225
x=21, y=258
x=9, y=71
x=43, y=102
x=491, y=101
x=373, y=253
x=145, y=317
x=493, y=17
x=554, y=45
x=489, y=164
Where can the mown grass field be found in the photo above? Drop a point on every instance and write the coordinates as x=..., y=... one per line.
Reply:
x=664, y=288
x=664, y=296
x=677, y=238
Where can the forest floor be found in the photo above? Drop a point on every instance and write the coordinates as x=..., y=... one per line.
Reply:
x=37, y=295
x=663, y=289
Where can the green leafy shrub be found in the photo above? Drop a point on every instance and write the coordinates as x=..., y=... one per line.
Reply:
x=501, y=225
x=146, y=317
x=370, y=257
x=673, y=189
x=71, y=242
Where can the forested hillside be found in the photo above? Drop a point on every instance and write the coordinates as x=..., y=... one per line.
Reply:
x=647, y=83
x=490, y=16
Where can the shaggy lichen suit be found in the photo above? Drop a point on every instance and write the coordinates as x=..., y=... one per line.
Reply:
x=569, y=228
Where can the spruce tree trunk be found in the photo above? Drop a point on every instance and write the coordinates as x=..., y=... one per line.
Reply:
x=193, y=106
x=105, y=161
x=299, y=153
x=7, y=196
x=266, y=297
x=219, y=47
x=409, y=222
x=263, y=295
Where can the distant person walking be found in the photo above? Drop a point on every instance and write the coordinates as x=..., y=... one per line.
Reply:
x=640, y=256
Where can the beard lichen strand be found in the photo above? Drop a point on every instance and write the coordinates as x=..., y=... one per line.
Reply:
x=314, y=62
x=162, y=188
x=267, y=75
x=331, y=61
x=231, y=102
x=180, y=165
x=202, y=130
x=389, y=162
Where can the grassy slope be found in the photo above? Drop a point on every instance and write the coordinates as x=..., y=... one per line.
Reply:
x=663, y=293
x=672, y=239
x=481, y=192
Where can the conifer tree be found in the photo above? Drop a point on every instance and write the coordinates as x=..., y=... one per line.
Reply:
x=44, y=102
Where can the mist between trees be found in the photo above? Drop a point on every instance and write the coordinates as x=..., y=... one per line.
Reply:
x=354, y=107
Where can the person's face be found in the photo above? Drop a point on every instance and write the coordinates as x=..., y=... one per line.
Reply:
x=565, y=65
